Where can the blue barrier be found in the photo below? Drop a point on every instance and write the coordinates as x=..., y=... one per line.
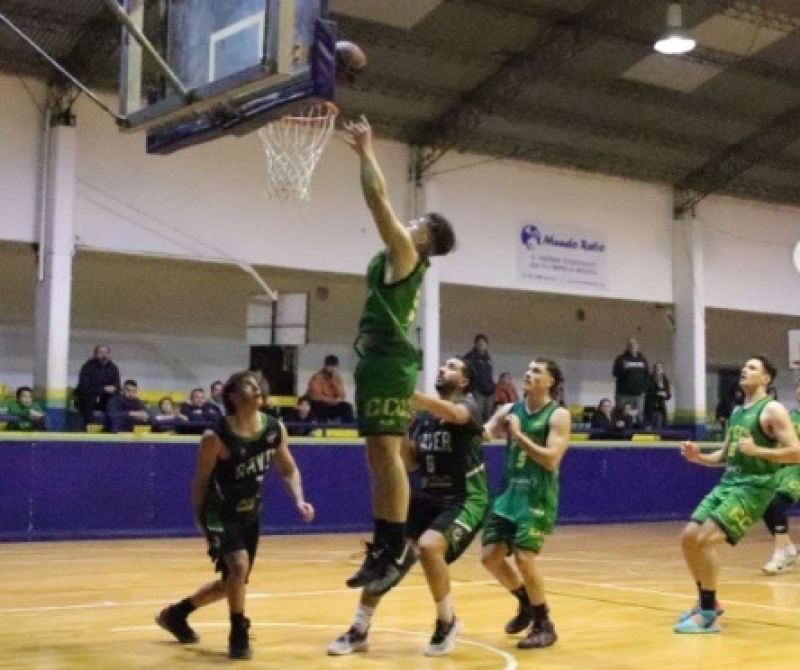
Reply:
x=82, y=488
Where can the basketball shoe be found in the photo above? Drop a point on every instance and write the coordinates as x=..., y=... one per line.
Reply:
x=352, y=640
x=174, y=623
x=521, y=621
x=542, y=634
x=394, y=569
x=370, y=569
x=718, y=610
x=704, y=621
x=239, y=642
x=444, y=637
x=780, y=562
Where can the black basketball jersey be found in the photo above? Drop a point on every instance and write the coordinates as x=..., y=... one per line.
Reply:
x=236, y=481
x=448, y=454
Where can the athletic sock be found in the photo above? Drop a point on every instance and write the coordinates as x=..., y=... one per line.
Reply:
x=708, y=600
x=363, y=617
x=381, y=532
x=395, y=538
x=184, y=608
x=791, y=550
x=540, y=612
x=237, y=620
x=444, y=609
x=522, y=595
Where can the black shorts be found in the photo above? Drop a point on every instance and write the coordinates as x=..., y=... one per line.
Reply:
x=231, y=534
x=456, y=519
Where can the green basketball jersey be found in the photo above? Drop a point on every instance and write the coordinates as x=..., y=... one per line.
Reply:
x=389, y=309
x=529, y=490
x=794, y=415
x=745, y=422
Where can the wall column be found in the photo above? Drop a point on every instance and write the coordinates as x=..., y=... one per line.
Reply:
x=54, y=285
x=688, y=280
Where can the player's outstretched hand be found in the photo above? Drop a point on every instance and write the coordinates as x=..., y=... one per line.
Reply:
x=360, y=134
x=306, y=511
x=690, y=451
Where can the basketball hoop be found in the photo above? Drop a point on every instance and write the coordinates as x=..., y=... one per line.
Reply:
x=293, y=146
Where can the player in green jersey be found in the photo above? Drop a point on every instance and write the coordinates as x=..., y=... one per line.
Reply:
x=760, y=437
x=787, y=493
x=447, y=510
x=386, y=373
x=524, y=512
x=226, y=499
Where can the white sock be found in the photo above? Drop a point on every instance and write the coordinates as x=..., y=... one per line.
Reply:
x=791, y=550
x=363, y=617
x=444, y=609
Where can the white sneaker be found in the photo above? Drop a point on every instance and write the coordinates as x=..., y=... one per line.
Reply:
x=444, y=638
x=352, y=640
x=779, y=563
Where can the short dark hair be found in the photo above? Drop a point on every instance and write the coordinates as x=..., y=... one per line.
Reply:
x=233, y=384
x=131, y=382
x=470, y=373
x=480, y=336
x=769, y=366
x=331, y=359
x=22, y=390
x=442, y=234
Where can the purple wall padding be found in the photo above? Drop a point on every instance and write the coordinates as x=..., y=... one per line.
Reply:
x=81, y=490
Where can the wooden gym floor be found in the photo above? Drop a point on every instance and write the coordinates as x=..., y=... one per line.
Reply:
x=614, y=592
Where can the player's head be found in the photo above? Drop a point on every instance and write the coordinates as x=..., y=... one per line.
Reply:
x=454, y=375
x=757, y=371
x=544, y=373
x=242, y=390
x=433, y=235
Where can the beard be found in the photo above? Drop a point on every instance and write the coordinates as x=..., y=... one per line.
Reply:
x=444, y=387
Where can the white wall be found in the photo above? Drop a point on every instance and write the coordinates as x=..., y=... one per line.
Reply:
x=175, y=324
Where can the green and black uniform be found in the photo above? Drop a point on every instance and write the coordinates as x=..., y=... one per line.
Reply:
x=386, y=373
x=453, y=493
x=787, y=480
x=232, y=509
x=525, y=511
x=748, y=485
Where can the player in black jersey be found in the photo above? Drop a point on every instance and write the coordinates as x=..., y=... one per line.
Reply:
x=226, y=499
x=446, y=511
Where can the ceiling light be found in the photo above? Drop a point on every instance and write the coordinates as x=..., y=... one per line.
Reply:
x=675, y=39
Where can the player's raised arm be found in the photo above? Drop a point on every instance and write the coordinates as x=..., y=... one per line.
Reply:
x=393, y=232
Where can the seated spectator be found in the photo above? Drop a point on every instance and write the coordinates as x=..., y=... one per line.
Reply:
x=164, y=417
x=627, y=418
x=126, y=410
x=98, y=382
x=216, y=396
x=29, y=415
x=603, y=416
x=326, y=390
x=301, y=419
x=199, y=411
x=505, y=391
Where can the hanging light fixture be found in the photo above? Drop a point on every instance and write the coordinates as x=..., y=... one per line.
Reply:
x=675, y=39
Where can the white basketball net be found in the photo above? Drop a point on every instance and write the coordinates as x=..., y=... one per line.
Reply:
x=293, y=146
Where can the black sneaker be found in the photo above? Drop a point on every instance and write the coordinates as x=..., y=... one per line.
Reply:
x=444, y=638
x=352, y=640
x=239, y=642
x=543, y=634
x=521, y=621
x=370, y=569
x=173, y=623
x=393, y=571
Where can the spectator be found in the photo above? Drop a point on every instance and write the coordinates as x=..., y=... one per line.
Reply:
x=603, y=416
x=656, y=396
x=216, y=396
x=198, y=410
x=126, y=410
x=98, y=382
x=301, y=420
x=29, y=415
x=505, y=391
x=164, y=416
x=326, y=390
x=480, y=362
x=627, y=418
x=630, y=371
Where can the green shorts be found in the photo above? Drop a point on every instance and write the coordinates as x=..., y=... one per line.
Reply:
x=383, y=386
x=735, y=507
x=787, y=481
x=459, y=521
x=525, y=534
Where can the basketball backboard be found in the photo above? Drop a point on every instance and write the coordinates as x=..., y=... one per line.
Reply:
x=236, y=64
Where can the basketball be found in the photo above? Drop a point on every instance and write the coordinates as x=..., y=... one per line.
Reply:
x=350, y=61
